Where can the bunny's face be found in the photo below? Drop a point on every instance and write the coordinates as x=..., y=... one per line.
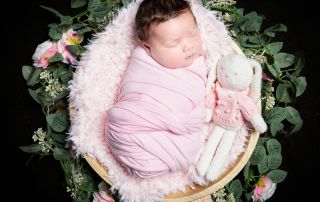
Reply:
x=234, y=72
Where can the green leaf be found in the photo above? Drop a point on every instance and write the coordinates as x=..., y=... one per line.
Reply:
x=256, y=40
x=251, y=22
x=61, y=95
x=51, y=10
x=58, y=121
x=55, y=72
x=68, y=166
x=258, y=154
x=83, y=196
x=66, y=20
x=273, y=146
x=74, y=50
x=277, y=176
x=245, y=42
x=84, y=30
x=274, y=160
x=276, y=114
x=93, y=5
x=282, y=60
x=60, y=154
x=54, y=33
x=274, y=70
x=34, y=148
x=77, y=26
x=65, y=78
x=58, y=138
x=56, y=58
x=235, y=187
x=78, y=3
x=274, y=117
x=248, y=52
x=87, y=183
x=64, y=74
x=246, y=170
x=271, y=31
x=300, y=84
x=34, y=95
x=44, y=97
x=296, y=127
x=275, y=127
x=283, y=93
x=299, y=64
x=63, y=28
x=239, y=12
x=27, y=71
x=294, y=118
x=274, y=47
x=102, y=11
x=35, y=77
x=53, y=25
x=263, y=166
x=262, y=140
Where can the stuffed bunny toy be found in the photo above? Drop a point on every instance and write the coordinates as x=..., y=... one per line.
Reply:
x=231, y=102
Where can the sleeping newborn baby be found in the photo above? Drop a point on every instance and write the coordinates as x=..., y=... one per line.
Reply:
x=154, y=126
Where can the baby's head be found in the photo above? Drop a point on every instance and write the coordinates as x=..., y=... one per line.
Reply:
x=168, y=31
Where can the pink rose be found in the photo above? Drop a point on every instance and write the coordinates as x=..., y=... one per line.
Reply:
x=102, y=196
x=43, y=53
x=69, y=38
x=264, y=189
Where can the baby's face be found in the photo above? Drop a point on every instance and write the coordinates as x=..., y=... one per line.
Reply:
x=175, y=43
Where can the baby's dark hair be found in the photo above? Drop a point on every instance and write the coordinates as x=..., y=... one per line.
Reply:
x=155, y=12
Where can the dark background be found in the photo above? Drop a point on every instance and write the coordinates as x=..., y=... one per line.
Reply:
x=24, y=26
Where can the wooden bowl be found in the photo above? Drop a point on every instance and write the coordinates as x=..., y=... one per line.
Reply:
x=198, y=191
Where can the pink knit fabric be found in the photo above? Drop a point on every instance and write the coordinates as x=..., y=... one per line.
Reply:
x=232, y=110
x=154, y=126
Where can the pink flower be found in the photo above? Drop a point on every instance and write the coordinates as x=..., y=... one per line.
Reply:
x=102, y=196
x=264, y=189
x=69, y=38
x=266, y=78
x=43, y=53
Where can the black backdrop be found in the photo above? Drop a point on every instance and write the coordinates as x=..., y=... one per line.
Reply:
x=24, y=26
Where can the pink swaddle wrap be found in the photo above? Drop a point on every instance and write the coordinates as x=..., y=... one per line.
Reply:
x=154, y=126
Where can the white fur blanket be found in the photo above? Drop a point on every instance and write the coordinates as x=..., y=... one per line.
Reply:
x=93, y=91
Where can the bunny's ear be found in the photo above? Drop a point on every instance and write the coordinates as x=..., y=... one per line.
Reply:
x=255, y=86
